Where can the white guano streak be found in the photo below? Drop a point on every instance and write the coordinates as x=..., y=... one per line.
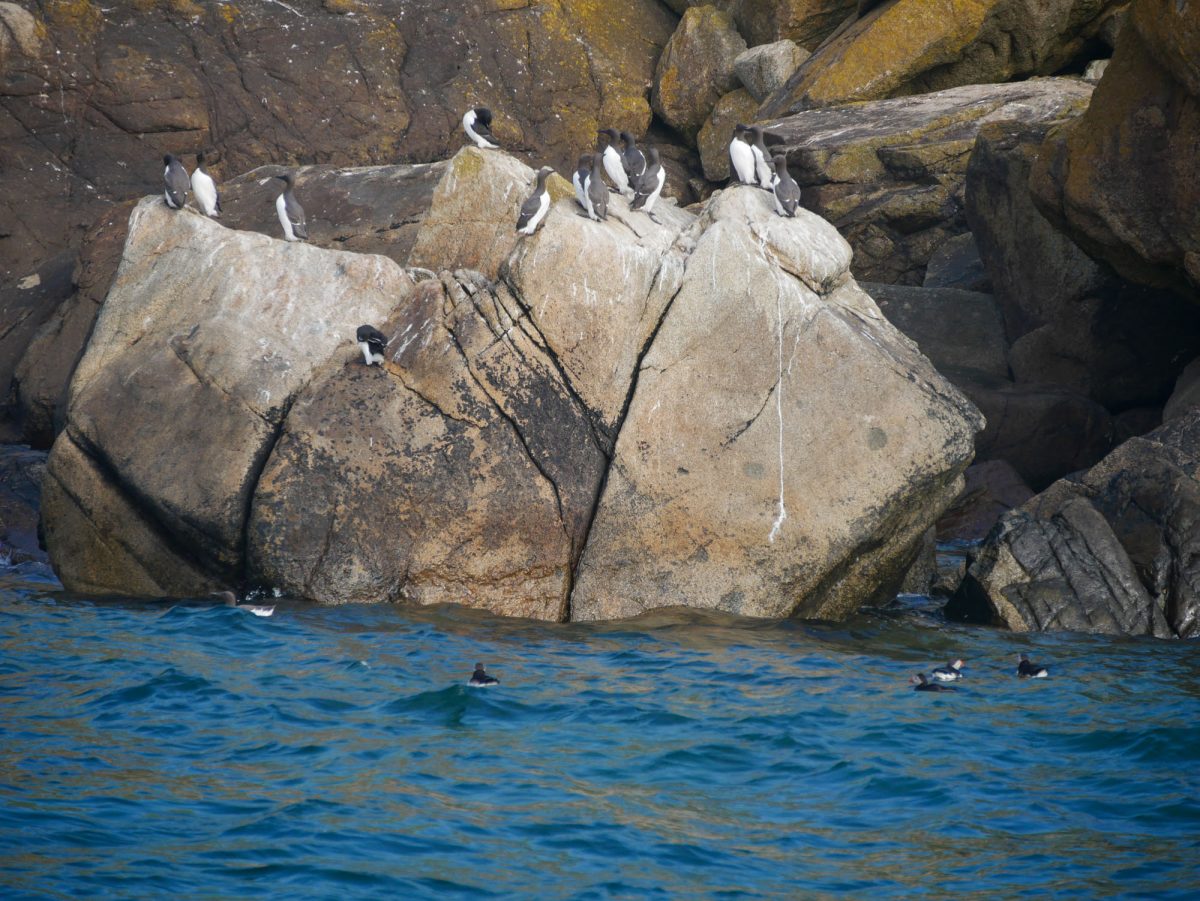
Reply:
x=782, y=515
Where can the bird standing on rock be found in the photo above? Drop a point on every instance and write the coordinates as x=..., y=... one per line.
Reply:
x=177, y=184
x=477, y=123
x=205, y=189
x=762, y=165
x=614, y=161
x=741, y=157
x=632, y=159
x=533, y=210
x=579, y=177
x=372, y=342
x=786, y=191
x=595, y=192
x=650, y=185
x=291, y=214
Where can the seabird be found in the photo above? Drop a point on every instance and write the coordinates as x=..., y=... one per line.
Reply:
x=650, y=185
x=595, y=192
x=1027, y=670
x=762, y=165
x=919, y=683
x=372, y=342
x=786, y=191
x=951, y=672
x=480, y=677
x=741, y=157
x=633, y=159
x=205, y=189
x=533, y=210
x=477, y=123
x=614, y=165
x=582, y=170
x=291, y=214
x=176, y=179
x=229, y=599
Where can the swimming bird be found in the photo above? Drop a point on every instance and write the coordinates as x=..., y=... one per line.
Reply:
x=786, y=191
x=372, y=342
x=650, y=185
x=614, y=165
x=582, y=170
x=477, y=123
x=205, y=189
x=951, y=672
x=920, y=683
x=229, y=599
x=632, y=159
x=762, y=165
x=741, y=157
x=533, y=210
x=480, y=678
x=595, y=192
x=177, y=184
x=291, y=214
x=1027, y=670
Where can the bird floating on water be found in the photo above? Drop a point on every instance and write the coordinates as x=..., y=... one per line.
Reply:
x=480, y=678
x=204, y=189
x=291, y=214
x=477, y=123
x=372, y=342
x=1027, y=670
x=229, y=599
x=920, y=683
x=533, y=210
x=175, y=178
x=951, y=672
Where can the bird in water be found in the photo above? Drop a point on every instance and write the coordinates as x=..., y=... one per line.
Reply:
x=477, y=123
x=762, y=165
x=1027, y=670
x=786, y=191
x=204, y=189
x=291, y=214
x=614, y=161
x=632, y=159
x=480, y=677
x=533, y=210
x=650, y=185
x=372, y=342
x=582, y=170
x=920, y=683
x=175, y=178
x=741, y=156
x=229, y=599
x=595, y=192
x=951, y=672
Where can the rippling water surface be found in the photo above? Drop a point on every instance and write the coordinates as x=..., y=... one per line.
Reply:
x=320, y=753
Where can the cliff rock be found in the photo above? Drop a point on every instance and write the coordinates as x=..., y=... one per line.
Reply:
x=696, y=68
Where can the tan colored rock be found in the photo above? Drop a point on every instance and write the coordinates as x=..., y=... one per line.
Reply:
x=785, y=450
x=807, y=22
x=696, y=68
x=736, y=107
x=765, y=68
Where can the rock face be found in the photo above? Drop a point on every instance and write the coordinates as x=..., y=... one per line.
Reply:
x=992, y=489
x=696, y=68
x=890, y=174
x=914, y=46
x=736, y=107
x=764, y=68
x=1124, y=181
x=807, y=22
x=21, y=471
x=773, y=371
x=1113, y=551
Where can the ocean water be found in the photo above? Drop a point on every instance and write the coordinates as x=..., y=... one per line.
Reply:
x=149, y=750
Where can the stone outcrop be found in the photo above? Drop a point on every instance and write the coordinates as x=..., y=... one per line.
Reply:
x=890, y=173
x=914, y=47
x=696, y=69
x=992, y=489
x=764, y=68
x=807, y=22
x=957, y=264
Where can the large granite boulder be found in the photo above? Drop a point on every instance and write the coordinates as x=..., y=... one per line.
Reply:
x=1124, y=180
x=914, y=47
x=785, y=449
x=890, y=173
x=807, y=22
x=764, y=68
x=696, y=68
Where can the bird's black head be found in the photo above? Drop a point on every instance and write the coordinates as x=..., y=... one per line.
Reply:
x=287, y=178
x=479, y=667
x=628, y=140
x=608, y=136
x=484, y=115
x=168, y=159
x=585, y=161
x=199, y=159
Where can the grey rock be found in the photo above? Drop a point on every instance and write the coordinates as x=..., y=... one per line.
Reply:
x=1186, y=395
x=764, y=68
x=1095, y=70
x=992, y=488
x=957, y=264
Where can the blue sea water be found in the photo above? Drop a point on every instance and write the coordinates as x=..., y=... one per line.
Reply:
x=149, y=750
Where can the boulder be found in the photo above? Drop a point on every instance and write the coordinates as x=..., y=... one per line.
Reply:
x=957, y=264
x=736, y=107
x=807, y=22
x=1124, y=180
x=696, y=69
x=764, y=68
x=1186, y=395
x=992, y=489
x=890, y=173
x=785, y=449
x=915, y=47
x=21, y=472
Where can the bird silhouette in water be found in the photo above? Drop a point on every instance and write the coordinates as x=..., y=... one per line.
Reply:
x=920, y=683
x=480, y=677
x=1027, y=670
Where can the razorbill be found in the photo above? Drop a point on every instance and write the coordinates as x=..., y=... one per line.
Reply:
x=372, y=342
x=650, y=185
x=533, y=210
x=762, y=159
x=479, y=678
x=176, y=179
x=477, y=123
x=229, y=599
x=920, y=683
x=951, y=672
x=614, y=165
x=582, y=170
x=291, y=214
x=786, y=191
x=632, y=158
x=205, y=189
x=595, y=192
x=1027, y=670
x=741, y=157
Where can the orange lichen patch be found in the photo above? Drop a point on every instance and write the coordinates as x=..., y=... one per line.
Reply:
x=341, y=7
x=228, y=12
x=78, y=15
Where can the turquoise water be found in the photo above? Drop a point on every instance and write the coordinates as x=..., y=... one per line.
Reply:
x=336, y=753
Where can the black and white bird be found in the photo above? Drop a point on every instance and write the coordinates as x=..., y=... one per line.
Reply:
x=614, y=161
x=372, y=342
x=229, y=599
x=786, y=191
x=204, y=189
x=650, y=185
x=741, y=157
x=595, y=192
x=920, y=683
x=477, y=123
x=175, y=178
x=291, y=214
x=480, y=678
x=763, y=170
x=1027, y=670
x=579, y=177
x=951, y=672
x=632, y=159
x=533, y=210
